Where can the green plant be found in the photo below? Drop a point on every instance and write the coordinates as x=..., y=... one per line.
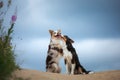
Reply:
x=7, y=55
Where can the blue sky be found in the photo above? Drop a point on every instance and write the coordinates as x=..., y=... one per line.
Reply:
x=94, y=25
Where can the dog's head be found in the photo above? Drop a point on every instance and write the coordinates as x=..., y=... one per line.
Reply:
x=55, y=34
x=68, y=43
x=67, y=39
x=56, y=37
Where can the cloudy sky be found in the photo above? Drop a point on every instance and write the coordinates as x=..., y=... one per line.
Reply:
x=94, y=25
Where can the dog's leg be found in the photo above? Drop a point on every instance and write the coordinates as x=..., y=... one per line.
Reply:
x=57, y=68
x=80, y=70
x=67, y=69
x=67, y=66
x=72, y=68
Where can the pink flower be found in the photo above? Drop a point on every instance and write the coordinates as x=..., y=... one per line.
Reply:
x=13, y=18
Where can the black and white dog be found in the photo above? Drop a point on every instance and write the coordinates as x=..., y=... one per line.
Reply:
x=55, y=52
x=72, y=63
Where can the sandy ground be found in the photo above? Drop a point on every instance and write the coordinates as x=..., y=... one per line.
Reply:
x=37, y=75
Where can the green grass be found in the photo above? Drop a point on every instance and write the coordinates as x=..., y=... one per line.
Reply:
x=7, y=55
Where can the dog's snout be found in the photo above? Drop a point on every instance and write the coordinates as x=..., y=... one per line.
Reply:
x=59, y=34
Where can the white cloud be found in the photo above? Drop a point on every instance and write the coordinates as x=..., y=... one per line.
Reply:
x=31, y=13
x=91, y=48
x=32, y=44
x=98, y=48
x=32, y=53
x=95, y=54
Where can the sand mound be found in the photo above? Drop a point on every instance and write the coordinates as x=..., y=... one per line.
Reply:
x=37, y=75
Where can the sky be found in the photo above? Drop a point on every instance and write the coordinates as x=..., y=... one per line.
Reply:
x=94, y=25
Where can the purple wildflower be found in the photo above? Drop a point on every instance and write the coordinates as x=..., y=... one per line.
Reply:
x=14, y=18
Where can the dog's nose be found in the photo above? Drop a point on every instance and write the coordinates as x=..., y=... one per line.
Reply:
x=59, y=33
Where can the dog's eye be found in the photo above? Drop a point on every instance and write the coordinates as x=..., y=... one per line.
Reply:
x=51, y=53
x=54, y=32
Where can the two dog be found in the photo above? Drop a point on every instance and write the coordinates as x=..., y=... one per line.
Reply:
x=61, y=46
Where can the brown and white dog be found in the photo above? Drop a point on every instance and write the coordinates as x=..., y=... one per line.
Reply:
x=55, y=52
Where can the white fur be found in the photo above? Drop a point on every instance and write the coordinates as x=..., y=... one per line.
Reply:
x=72, y=68
x=67, y=55
x=67, y=69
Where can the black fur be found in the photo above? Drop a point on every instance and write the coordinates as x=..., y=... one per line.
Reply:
x=57, y=49
x=49, y=58
x=75, y=58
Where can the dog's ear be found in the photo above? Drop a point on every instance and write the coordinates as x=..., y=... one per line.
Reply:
x=69, y=39
x=51, y=31
x=64, y=38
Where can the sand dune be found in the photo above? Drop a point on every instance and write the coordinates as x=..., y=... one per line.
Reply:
x=37, y=75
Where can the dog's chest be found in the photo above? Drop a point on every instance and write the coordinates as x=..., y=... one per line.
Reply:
x=67, y=54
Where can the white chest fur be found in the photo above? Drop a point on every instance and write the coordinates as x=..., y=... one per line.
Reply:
x=67, y=55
